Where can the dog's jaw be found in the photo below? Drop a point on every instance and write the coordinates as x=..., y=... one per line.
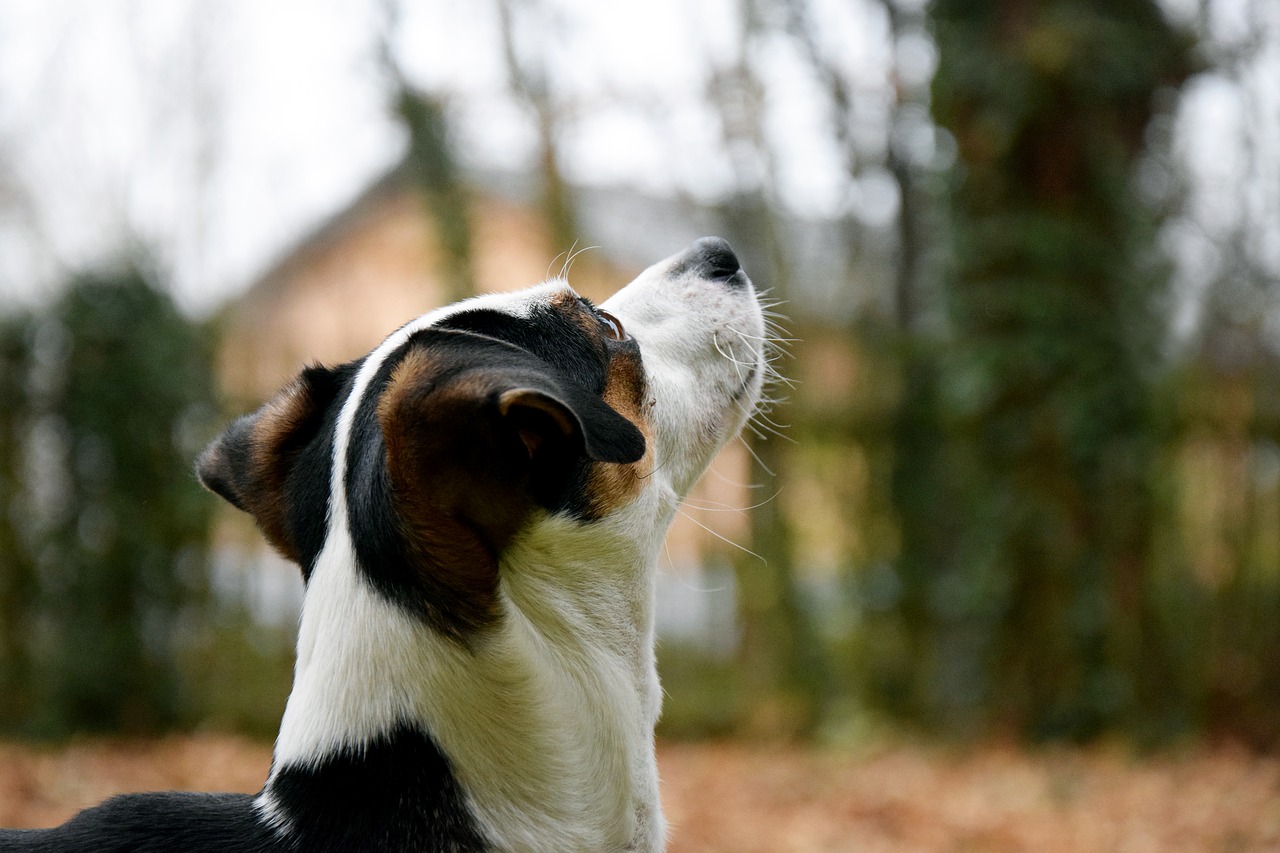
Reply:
x=547, y=716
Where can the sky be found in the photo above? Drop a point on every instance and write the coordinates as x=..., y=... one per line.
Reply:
x=217, y=132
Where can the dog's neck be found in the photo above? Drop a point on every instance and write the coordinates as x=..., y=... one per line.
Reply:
x=546, y=721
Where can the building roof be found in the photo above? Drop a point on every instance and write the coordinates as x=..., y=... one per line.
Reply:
x=836, y=272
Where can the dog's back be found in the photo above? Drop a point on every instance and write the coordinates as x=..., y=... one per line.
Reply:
x=151, y=823
x=394, y=795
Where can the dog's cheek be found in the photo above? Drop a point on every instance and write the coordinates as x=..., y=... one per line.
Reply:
x=609, y=487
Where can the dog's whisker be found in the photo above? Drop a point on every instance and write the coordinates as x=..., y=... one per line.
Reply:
x=722, y=507
x=737, y=365
x=762, y=415
x=769, y=427
x=568, y=261
x=722, y=537
x=730, y=481
x=776, y=434
x=769, y=332
x=655, y=469
x=552, y=264
x=764, y=432
x=756, y=456
x=573, y=254
x=666, y=553
x=770, y=341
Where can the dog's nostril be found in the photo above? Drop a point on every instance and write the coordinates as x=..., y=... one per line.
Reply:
x=713, y=257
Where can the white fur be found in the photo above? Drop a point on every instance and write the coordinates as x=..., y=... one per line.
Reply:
x=548, y=722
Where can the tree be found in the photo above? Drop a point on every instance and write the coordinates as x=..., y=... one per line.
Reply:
x=116, y=524
x=531, y=84
x=16, y=571
x=779, y=650
x=434, y=171
x=431, y=165
x=1024, y=467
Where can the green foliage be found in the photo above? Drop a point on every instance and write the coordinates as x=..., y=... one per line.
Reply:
x=706, y=696
x=1027, y=438
x=106, y=530
x=17, y=579
x=242, y=650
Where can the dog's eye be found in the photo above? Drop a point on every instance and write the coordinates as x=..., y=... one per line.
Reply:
x=613, y=325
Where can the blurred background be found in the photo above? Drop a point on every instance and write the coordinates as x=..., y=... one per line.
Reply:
x=1023, y=482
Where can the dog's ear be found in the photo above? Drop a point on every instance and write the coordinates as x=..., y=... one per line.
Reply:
x=252, y=461
x=537, y=414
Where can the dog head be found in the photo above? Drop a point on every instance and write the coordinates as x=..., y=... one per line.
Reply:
x=472, y=423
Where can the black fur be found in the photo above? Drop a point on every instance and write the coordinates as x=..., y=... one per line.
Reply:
x=564, y=346
x=396, y=794
x=312, y=468
x=228, y=467
x=552, y=336
x=154, y=823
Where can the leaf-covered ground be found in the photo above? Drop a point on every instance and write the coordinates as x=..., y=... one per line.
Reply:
x=731, y=797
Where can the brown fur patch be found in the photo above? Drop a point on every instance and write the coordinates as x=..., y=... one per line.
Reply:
x=610, y=487
x=463, y=468
x=272, y=446
x=567, y=304
x=565, y=300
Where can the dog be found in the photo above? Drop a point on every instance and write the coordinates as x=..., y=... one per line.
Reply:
x=477, y=507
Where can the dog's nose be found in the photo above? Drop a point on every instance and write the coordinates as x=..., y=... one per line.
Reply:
x=713, y=258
